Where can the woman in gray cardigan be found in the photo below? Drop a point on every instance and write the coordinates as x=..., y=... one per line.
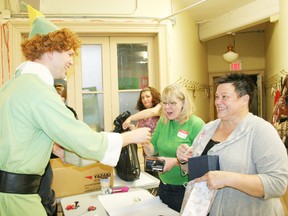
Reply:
x=253, y=161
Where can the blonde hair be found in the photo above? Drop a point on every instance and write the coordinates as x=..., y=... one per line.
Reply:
x=179, y=92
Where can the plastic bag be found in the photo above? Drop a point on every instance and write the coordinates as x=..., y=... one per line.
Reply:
x=128, y=166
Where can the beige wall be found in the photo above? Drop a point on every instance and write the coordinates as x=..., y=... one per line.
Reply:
x=276, y=56
x=188, y=58
x=249, y=46
x=272, y=63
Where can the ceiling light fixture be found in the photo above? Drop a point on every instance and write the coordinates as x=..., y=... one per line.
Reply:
x=230, y=55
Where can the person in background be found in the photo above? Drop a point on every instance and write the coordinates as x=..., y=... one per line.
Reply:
x=149, y=98
x=61, y=87
x=253, y=160
x=46, y=193
x=33, y=117
x=143, y=114
x=178, y=124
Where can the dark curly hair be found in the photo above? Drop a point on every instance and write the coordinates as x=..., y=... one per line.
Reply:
x=155, y=98
x=60, y=40
x=243, y=84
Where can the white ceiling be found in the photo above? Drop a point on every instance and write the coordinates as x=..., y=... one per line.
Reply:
x=216, y=18
x=219, y=17
x=211, y=9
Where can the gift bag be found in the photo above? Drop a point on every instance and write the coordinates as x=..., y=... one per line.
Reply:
x=198, y=199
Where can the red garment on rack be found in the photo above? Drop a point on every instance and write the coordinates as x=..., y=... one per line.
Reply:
x=277, y=96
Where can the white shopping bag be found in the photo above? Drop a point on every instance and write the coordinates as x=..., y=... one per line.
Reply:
x=197, y=200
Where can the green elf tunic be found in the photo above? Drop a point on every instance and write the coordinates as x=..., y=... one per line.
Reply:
x=32, y=117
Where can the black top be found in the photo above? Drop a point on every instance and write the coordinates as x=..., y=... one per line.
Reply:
x=209, y=145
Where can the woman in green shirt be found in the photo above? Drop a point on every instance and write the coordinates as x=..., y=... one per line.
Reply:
x=177, y=125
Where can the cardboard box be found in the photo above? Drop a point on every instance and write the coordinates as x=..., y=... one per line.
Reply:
x=70, y=180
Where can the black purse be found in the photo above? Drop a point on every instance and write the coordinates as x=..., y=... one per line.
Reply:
x=128, y=166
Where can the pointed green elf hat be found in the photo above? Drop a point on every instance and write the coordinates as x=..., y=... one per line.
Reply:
x=38, y=23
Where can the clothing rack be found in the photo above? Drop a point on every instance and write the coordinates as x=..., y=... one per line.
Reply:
x=276, y=81
x=284, y=72
x=195, y=86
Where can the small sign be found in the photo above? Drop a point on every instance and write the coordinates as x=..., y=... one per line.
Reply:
x=235, y=66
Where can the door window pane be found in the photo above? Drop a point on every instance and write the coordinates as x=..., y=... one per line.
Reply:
x=128, y=101
x=132, y=74
x=132, y=66
x=93, y=110
x=92, y=87
x=91, y=67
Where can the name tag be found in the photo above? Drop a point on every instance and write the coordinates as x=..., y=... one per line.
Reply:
x=182, y=134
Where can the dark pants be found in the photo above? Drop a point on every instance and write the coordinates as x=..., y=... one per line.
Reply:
x=171, y=195
x=46, y=193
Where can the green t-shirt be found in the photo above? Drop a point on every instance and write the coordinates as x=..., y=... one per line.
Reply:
x=166, y=139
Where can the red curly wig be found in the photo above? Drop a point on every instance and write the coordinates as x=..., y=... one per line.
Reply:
x=60, y=40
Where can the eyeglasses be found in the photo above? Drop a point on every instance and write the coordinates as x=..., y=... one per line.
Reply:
x=170, y=104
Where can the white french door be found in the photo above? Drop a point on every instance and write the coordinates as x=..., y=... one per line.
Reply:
x=107, y=76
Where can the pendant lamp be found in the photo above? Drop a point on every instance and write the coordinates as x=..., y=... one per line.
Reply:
x=230, y=55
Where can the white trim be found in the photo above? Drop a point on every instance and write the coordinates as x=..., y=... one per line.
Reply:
x=115, y=142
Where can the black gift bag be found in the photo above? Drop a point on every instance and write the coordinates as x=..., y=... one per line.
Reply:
x=128, y=166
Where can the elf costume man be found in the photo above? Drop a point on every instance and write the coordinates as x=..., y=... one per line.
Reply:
x=33, y=117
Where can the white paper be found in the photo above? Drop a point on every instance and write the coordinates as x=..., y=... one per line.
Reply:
x=152, y=207
x=199, y=201
x=138, y=202
x=112, y=202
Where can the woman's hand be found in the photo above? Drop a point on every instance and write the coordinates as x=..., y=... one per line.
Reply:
x=148, y=148
x=183, y=153
x=249, y=184
x=215, y=179
x=169, y=163
x=127, y=124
